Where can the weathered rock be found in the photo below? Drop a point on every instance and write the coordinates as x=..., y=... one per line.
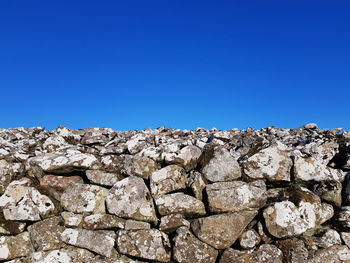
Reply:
x=103, y=221
x=266, y=253
x=221, y=231
x=345, y=236
x=272, y=163
x=112, y=163
x=7, y=172
x=136, y=225
x=334, y=254
x=197, y=183
x=46, y=234
x=99, y=241
x=187, y=157
x=189, y=249
x=139, y=166
x=294, y=250
x=15, y=246
x=149, y=244
x=179, y=203
x=327, y=239
x=170, y=223
x=167, y=179
x=84, y=198
x=218, y=165
x=330, y=191
x=130, y=198
x=71, y=219
x=137, y=143
x=57, y=184
x=249, y=239
x=54, y=143
x=23, y=202
x=236, y=196
x=264, y=234
x=103, y=178
x=97, y=135
x=10, y=227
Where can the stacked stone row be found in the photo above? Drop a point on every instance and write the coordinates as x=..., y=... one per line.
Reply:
x=165, y=195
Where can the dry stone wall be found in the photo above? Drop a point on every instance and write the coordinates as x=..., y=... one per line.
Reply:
x=164, y=195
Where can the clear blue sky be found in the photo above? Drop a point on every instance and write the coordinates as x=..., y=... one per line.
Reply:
x=182, y=64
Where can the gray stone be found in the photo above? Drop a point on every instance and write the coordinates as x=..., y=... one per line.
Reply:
x=236, y=196
x=103, y=221
x=218, y=165
x=136, y=225
x=15, y=246
x=334, y=254
x=84, y=198
x=221, y=231
x=189, y=249
x=149, y=244
x=197, y=183
x=71, y=219
x=170, y=223
x=249, y=239
x=187, y=157
x=99, y=241
x=179, y=203
x=167, y=179
x=130, y=198
x=103, y=178
x=139, y=166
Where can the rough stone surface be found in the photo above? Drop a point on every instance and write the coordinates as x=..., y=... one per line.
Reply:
x=149, y=244
x=249, y=239
x=84, y=198
x=103, y=178
x=136, y=225
x=170, y=223
x=221, y=231
x=139, y=166
x=57, y=184
x=167, y=179
x=236, y=196
x=219, y=166
x=188, y=157
x=197, y=183
x=99, y=241
x=189, y=249
x=15, y=246
x=130, y=198
x=103, y=221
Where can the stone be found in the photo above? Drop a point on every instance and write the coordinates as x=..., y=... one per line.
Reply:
x=266, y=253
x=57, y=184
x=334, y=254
x=61, y=162
x=328, y=238
x=23, y=202
x=170, y=223
x=98, y=241
x=218, y=165
x=103, y=178
x=330, y=191
x=236, y=196
x=103, y=221
x=137, y=143
x=221, y=231
x=167, y=179
x=187, y=157
x=71, y=219
x=197, y=183
x=7, y=171
x=112, y=164
x=46, y=234
x=264, y=234
x=15, y=246
x=10, y=227
x=189, y=249
x=179, y=203
x=345, y=236
x=84, y=198
x=150, y=244
x=310, y=126
x=294, y=250
x=249, y=239
x=54, y=143
x=139, y=166
x=136, y=225
x=272, y=163
x=130, y=198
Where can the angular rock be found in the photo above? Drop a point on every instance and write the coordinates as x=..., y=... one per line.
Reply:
x=23, y=202
x=170, y=223
x=330, y=191
x=187, y=157
x=327, y=239
x=57, y=184
x=46, y=234
x=136, y=225
x=103, y=178
x=236, y=196
x=130, y=198
x=103, y=221
x=334, y=254
x=272, y=163
x=72, y=219
x=188, y=249
x=53, y=143
x=179, y=203
x=139, y=166
x=137, y=143
x=7, y=172
x=10, y=227
x=345, y=236
x=149, y=244
x=112, y=163
x=294, y=250
x=167, y=179
x=266, y=253
x=84, y=198
x=99, y=241
x=249, y=239
x=221, y=231
x=197, y=183
x=15, y=246
x=218, y=165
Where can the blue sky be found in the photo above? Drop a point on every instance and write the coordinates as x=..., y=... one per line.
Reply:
x=181, y=64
